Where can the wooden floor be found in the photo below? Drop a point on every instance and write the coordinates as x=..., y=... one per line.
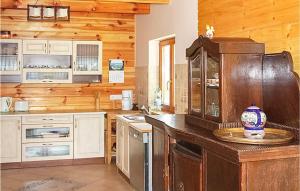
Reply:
x=65, y=178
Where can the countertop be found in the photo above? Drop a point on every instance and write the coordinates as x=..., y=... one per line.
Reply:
x=142, y=127
x=176, y=128
x=87, y=111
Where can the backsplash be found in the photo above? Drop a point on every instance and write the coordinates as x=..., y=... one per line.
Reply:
x=181, y=88
x=147, y=81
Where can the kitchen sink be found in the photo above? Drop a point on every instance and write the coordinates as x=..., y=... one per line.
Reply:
x=138, y=117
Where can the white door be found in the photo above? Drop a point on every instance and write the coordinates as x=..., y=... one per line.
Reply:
x=87, y=57
x=35, y=47
x=119, y=141
x=126, y=150
x=89, y=135
x=10, y=134
x=56, y=47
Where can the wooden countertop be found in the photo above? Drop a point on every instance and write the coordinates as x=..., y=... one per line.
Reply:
x=176, y=128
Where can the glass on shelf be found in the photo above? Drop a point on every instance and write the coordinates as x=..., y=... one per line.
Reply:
x=195, y=67
x=212, y=107
x=53, y=61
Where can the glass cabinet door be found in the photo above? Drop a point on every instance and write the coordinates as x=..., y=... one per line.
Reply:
x=47, y=151
x=10, y=56
x=87, y=58
x=195, y=75
x=212, y=72
x=47, y=76
x=44, y=133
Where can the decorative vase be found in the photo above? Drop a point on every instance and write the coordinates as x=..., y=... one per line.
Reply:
x=253, y=120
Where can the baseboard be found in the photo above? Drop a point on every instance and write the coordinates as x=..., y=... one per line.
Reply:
x=51, y=163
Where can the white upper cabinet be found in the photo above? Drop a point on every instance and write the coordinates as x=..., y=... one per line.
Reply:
x=10, y=134
x=35, y=47
x=88, y=135
x=59, y=47
x=51, y=47
x=87, y=57
x=10, y=56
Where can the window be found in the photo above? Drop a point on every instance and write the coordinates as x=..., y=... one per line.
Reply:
x=166, y=73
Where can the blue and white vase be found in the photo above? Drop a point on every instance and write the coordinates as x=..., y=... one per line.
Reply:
x=253, y=120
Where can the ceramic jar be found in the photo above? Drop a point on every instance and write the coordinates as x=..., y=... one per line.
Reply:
x=253, y=120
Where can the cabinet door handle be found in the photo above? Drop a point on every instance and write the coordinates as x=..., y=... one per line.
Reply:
x=180, y=186
x=76, y=123
x=19, y=62
x=49, y=48
x=74, y=63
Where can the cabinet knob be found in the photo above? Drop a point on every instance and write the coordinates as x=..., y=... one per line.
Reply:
x=180, y=186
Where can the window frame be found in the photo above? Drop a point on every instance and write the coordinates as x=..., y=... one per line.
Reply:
x=170, y=41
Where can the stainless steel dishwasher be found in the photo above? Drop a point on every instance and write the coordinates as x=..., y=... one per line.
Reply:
x=140, y=160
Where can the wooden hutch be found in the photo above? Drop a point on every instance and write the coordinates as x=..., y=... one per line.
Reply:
x=226, y=75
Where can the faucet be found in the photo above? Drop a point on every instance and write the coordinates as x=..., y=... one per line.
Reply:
x=145, y=110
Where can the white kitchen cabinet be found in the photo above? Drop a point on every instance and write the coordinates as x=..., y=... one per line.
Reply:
x=123, y=146
x=51, y=47
x=119, y=146
x=10, y=139
x=88, y=135
x=56, y=47
x=87, y=57
x=10, y=56
x=35, y=47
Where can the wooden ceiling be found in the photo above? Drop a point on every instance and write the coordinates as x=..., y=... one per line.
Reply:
x=96, y=6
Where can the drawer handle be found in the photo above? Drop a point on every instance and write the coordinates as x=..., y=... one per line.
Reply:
x=47, y=144
x=45, y=119
x=47, y=125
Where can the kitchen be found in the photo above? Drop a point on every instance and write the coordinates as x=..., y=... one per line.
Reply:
x=86, y=71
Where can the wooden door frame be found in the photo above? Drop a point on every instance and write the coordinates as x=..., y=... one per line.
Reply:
x=171, y=42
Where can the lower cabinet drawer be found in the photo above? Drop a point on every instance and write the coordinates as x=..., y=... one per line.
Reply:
x=47, y=151
x=46, y=119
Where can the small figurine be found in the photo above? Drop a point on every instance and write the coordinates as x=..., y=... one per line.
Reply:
x=209, y=31
x=253, y=120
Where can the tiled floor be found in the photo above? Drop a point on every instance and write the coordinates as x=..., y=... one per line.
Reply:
x=64, y=178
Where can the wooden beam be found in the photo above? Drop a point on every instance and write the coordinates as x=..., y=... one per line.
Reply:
x=83, y=6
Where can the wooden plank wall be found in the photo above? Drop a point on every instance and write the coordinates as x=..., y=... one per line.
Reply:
x=274, y=22
x=116, y=30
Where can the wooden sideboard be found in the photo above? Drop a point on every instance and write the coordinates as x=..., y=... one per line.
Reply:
x=217, y=165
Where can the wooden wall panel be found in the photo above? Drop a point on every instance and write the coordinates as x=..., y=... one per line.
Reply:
x=274, y=22
x=116, y=30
